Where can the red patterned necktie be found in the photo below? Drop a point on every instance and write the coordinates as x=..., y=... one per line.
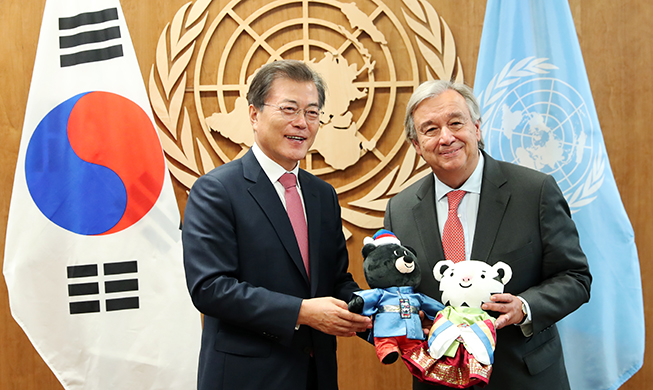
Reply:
x=453, y=237
x=296, y=214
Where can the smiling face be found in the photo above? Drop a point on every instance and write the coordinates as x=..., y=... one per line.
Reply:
x=470, y=283
x=447, y=138
x=390, y=265
x=285, y=141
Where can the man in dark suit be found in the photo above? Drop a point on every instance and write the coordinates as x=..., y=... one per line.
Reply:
x=508, y=213
x=270, y=320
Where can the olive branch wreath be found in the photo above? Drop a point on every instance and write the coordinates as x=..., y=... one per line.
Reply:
x=167, y=104
x=435, y=31
x=437, y=46
x=498, y=86
x=167, y=86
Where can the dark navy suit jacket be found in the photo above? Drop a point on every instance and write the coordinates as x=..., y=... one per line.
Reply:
x=245, y=274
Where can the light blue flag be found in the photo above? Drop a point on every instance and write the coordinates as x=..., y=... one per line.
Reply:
x=538, y=112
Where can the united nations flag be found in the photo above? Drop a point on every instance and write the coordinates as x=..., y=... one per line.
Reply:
x=538, y=111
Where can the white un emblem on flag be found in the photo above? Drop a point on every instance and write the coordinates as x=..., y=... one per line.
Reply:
x=543, y=123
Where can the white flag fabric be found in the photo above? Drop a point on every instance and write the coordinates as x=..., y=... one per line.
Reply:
x=538, y=111
x=93, y=259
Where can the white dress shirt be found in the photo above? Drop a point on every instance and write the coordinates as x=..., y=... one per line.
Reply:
x=274, y=171
x=468, y=213
x=468, y=207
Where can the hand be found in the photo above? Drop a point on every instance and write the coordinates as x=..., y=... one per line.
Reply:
x=509, y=306
x=331, y=316
x=426, y=323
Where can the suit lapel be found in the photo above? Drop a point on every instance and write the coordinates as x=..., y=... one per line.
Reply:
x=491, y=209
x=426, y=218
x=262, y=190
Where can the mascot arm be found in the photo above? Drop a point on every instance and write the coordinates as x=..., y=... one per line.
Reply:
x=370, y=301
x=430, y=306
x=356, y=304
x=479, y=341
x=444, y=335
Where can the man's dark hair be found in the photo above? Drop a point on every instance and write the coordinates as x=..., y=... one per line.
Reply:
x=259, y=88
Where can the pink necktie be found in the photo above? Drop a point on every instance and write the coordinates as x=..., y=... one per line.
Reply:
x=296, y=214
x=453, y=238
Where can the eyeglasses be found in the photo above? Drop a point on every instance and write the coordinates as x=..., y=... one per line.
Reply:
x=290, y=113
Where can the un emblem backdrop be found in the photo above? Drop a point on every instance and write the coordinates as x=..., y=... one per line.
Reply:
x=371, y=55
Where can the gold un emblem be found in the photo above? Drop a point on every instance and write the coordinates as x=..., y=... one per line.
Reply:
x=361, y=49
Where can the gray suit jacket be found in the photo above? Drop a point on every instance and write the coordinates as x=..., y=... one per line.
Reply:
x=245, y=274
x=524, y=221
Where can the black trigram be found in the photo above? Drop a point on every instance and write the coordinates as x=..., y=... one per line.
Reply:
x=84, y=281
x=106, y=33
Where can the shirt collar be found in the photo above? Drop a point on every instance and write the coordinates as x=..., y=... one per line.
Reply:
x=473, y=183
x=270, y=167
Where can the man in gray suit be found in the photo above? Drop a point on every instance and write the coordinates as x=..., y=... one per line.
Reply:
x=508, y=213
x=272, y=305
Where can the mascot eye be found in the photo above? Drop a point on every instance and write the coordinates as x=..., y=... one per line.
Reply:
x=403, y=266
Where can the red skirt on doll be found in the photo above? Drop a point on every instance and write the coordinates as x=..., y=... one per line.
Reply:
x=458, y=372
x=460, y=369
